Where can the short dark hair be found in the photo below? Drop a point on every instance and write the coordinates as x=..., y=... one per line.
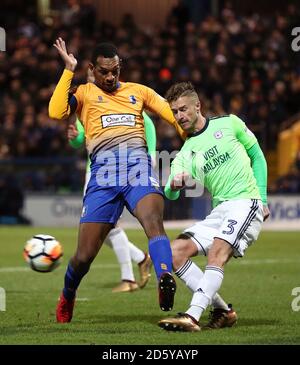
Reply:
x=180, y=89
x=106, y=50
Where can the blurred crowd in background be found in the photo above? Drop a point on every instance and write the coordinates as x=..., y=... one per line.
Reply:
x=289, y=183
x=238, y=64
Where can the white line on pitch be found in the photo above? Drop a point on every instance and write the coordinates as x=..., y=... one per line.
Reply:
x=114, y=266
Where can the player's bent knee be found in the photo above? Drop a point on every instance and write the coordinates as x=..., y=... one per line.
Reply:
x=220, y=253
x=153, y=224
x=151, y=218
x=180, y=252
x=217, y=259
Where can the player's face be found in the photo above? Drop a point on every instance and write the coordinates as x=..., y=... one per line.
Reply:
x=107, y=73
x=186, y=111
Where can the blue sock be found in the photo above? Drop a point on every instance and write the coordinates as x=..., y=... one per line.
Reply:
x=72, y=281
x=161, y=254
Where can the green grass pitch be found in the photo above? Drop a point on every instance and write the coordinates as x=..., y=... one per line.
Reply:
x=259, y=286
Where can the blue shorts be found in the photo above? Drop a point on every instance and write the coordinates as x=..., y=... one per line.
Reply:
x=117, y=180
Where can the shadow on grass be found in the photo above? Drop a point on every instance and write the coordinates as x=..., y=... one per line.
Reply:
x=125, y=326
x=116, y=319
x=120, y=325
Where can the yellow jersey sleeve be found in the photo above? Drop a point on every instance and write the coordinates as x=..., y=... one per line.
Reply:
x=59, y=107
x=167, y=114
x=79, y=95
x=159, y=105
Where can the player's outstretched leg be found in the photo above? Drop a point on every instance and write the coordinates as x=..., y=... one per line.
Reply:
x=144, y=268
x=91, y=236
x=126, y=252
x=222, y=315
x=149, y=211
x=65, y=306
x=118, y=241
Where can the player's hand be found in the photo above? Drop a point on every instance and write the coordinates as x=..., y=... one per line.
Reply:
x=266, y=212
x=72, y=132
x=69, y=59
x=179, y=181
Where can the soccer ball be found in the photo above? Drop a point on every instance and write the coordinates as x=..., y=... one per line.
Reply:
x=43, y=253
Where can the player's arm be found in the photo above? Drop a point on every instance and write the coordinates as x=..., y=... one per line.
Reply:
x=150, y=137
x=160, y=106
x=76, y=134
x=60, y=107
x=76, y=137
x=167, y=114
x=258, y=161
x=260, y=171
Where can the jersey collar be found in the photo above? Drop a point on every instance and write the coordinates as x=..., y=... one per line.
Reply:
x=201, y=131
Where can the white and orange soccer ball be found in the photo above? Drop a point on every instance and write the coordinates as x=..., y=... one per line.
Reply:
x=43, y=253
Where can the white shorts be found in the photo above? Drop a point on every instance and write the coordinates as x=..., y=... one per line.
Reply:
x=238, y=222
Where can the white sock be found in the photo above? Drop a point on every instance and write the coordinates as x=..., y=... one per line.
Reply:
x=208, y=286
x=136, y=254
x=191, y=274
x=118, y=240
x=219, y=302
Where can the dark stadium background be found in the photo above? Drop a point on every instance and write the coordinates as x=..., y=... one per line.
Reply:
x=238, y=55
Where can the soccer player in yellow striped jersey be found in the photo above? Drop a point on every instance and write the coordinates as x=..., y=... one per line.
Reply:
x=121, y=173
x=117, y=239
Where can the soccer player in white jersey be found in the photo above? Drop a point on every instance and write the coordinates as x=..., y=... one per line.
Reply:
x=224, y=156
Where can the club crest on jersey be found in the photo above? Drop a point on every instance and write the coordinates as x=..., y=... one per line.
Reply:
x=132, y=99
x=100, y=99
x=218, y=134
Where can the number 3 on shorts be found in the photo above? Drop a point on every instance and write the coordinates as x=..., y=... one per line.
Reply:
x=230, y=226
